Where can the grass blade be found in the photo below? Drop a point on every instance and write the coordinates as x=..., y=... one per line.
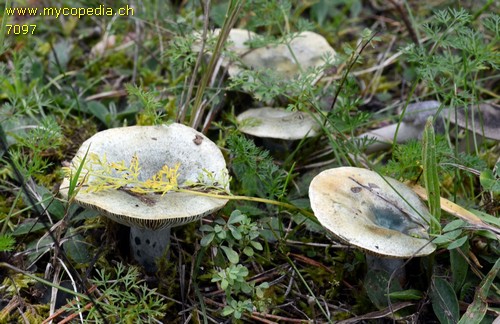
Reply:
x=431, y=179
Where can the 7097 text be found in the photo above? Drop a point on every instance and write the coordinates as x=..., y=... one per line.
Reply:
x=17, y=29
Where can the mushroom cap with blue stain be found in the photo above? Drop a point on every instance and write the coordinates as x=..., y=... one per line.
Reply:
x=379, y=215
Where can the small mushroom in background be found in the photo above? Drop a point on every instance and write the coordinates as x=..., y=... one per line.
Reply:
x=277, y=127
x=360, y=208
x=305, y=50
x=150, y=216
x=237, y=42
x=483, y=120
x=277, y=123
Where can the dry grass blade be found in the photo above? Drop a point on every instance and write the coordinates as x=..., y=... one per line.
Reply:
x=457, y=211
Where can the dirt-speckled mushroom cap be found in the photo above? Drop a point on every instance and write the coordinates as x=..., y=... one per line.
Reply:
x=308, y=49
x=361, y=209
x=277, y=123
x=155, y=146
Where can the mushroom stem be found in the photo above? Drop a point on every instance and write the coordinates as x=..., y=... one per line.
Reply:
x=148, y=245
x=388, y=265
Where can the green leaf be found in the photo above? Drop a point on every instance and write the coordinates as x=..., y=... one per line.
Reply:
x=207, y=239
x=231, y=255
x=28, y=226
x=409, y=294
x=235, y=232
x=228, y=310
x=236, y=217
x=453, y=225
x=459, y=266
x=77, y=249
x=447, y=237
x=246, y=288
x=224, y=284
x=257, y=245
x=486, y=217
x=444, y=301
x=206, y=228
x=476, y=311
x=430, y=174
x=248, y=251
x=98, y=110
x=458, y=243
x=489, y=182
x=84, y=215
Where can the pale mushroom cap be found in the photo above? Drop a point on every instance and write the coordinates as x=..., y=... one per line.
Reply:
x=361, y=209
x=155, y=146
x=277, y=123
x=236, y=41
x=309, y=50
x=483, y=119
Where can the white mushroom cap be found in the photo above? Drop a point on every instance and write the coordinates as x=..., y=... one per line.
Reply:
x=483, y=119
x=277, y=123
x=309, y=49
x=361, y=209
x=237, y=41
x=155, y=146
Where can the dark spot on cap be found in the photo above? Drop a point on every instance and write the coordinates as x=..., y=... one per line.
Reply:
x=197, y=139
x=356, y=189
x=148, y=241
x=372, y=186
x=154, y=138
x=137, y=240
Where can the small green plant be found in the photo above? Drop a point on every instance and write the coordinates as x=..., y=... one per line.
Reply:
x=125, y=298
x=238, y=234
x=7, y=243
x=255, y=169
x=458, y=57
x=147, y=103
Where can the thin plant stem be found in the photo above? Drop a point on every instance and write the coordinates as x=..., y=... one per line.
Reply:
x=231, y=16
x=253, y=199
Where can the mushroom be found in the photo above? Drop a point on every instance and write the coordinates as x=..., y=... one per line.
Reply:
x=305, y=50
x=483, y=119
x=365, y=210
x=150, y=216
x=237, y=42
x=277, y=123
